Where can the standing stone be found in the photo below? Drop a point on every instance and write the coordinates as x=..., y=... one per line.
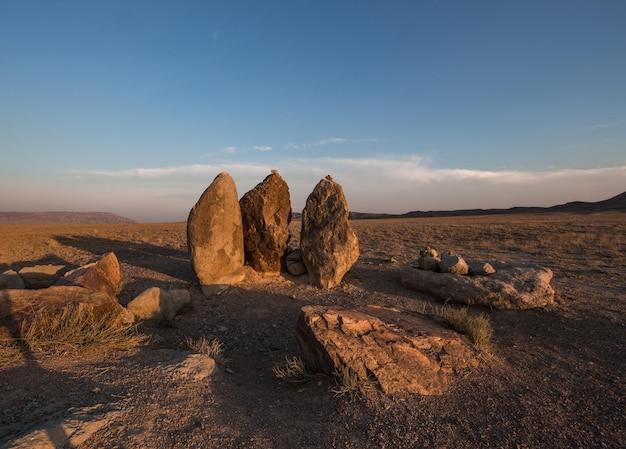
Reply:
x=329, y=245
x=266, y=214
x=215, y=236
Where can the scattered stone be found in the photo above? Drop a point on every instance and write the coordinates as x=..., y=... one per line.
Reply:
x=296, y=268
x=215, y=236
x=158, y=304
x=18, y=307
x=41, y=276
x=329, y=245
x=512, y=286
x=429, y=252
x=477, y=268
x=103, y=275
x=429, y=263
x=402, y=352
x=451, y=263
x=186, y=366
x=10, y=279
x=266, y=214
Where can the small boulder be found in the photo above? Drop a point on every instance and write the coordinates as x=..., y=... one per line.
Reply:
x=215, y=236
x=329, y=245
x=296, y=268
x=11, y=280
x=401, y=352
x=293, y=255
x=429, y=252
x=477, y=268
x=429, y=263
x=158, y=304
x=41, y=276
x=266, y=214
x=103, y=275
x=451, y=263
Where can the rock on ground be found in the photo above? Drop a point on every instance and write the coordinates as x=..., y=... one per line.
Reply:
x=10, y=279
x=215, y=236
x=266, y=214
x=41, y=276
x=158, y=304
x=18, y=307
x=512, y=286
x=402, y=352
x=102, y=275
x=329, y=245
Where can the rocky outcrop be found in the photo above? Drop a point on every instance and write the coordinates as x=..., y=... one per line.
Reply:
x=401, y=352
x=266, y=214
x=158, y=304
x=215, y=236
x=103, y=275
x=41, y=276
x=329, y=245
x=512, y=286
x=18, y=307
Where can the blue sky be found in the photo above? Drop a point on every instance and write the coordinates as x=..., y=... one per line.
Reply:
x=133, y=107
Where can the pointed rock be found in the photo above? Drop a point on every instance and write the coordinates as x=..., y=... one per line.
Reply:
x=329, y=245
x=266, y=214
x=215, y=236
x=102, y=275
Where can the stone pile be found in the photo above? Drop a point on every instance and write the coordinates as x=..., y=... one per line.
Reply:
x=495, y=284
x=94, y=287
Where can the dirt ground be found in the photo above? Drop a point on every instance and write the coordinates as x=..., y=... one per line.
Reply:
x=556, y=377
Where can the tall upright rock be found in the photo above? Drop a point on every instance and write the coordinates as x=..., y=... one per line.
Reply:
x=266, y=214
x=215, y=236
x=329, y=245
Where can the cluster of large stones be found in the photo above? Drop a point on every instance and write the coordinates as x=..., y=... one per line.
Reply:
x=93, y=287
x=494, y=284
x=224, y=234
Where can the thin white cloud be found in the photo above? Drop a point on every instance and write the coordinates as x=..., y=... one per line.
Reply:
x=262, y=148
x=606, y=125
x=317, y=143
x=387, y=184
x=228, y=150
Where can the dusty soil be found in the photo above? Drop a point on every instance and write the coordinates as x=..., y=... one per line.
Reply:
x=556, y=376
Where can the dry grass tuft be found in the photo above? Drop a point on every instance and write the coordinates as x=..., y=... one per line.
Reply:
x=213, y=348
x=350, y=383
x=77, y=328
x=476, y=327
x=294, y=372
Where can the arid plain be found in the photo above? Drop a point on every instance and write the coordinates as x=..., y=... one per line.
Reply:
x=552, y=377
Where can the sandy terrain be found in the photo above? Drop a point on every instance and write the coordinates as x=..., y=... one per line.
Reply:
x=556, y=377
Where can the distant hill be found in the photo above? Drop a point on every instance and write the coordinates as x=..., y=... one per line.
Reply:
x=615, y=204
x=62, y=218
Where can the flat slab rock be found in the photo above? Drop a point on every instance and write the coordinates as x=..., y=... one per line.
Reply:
x=512, y=286
x=403, y=352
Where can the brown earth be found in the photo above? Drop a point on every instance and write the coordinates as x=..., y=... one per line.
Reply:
x=556, y=377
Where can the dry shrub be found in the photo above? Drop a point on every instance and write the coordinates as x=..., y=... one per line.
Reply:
x=294, y=372
x=78, y=328
x=476, y=327
x=213, y=348
x=352, y=384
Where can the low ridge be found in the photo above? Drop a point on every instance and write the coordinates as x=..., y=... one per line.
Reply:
x=62, y=218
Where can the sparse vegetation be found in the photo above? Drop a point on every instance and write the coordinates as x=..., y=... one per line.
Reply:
x=350, y=383
x=476, y=327
x=77, y=328
x=213, y=348
x=294, y=372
